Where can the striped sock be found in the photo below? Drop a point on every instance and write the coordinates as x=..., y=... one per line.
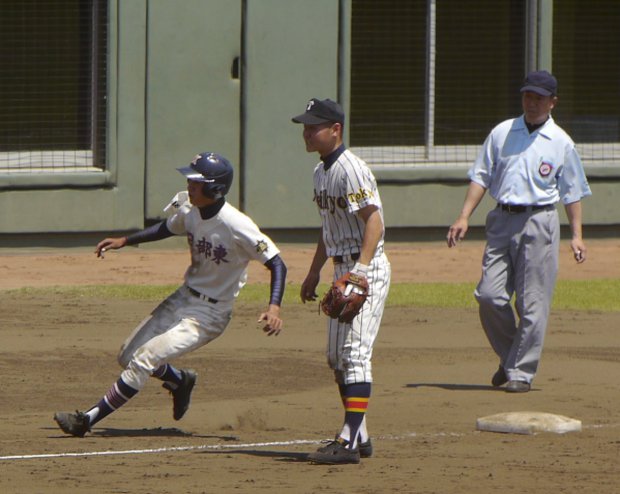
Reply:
x=355, y=399
x=119, y=394
x=168, y=373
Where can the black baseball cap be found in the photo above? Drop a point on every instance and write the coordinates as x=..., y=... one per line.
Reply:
x=540, y=82
x=320, y=111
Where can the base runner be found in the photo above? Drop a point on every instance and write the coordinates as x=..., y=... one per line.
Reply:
x=222, y=241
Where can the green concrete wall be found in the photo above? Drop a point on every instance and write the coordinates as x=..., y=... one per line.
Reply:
x=291, y=56
x=173, y=93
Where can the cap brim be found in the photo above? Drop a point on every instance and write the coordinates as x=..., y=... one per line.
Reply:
x=537, y=90
x=191, y=174
x=308, y=119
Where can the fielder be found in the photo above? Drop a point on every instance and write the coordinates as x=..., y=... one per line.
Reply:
x=528, y=164
x=346, y=194
x=222, y=241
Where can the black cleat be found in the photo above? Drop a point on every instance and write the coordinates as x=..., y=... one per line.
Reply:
x=499, y=377
x=76, y=424
x=366, y=449
x=335, y=453
x=182, y=393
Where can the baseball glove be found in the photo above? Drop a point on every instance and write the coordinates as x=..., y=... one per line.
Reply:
x=345, y=298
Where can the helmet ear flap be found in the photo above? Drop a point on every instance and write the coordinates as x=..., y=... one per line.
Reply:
x=213, y=191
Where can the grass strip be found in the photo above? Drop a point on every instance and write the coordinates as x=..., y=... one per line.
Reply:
x=601, y=294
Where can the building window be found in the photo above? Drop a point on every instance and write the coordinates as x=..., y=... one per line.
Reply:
x=388, y=83
x=53, y=85
x=430, y=79
x=586, y=40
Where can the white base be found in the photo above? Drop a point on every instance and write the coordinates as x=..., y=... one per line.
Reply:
x=528, y=423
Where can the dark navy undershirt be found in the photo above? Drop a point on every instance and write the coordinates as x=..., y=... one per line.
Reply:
x=278, y=279
x=211, y=210
x=154, y=232
x=532, y=127
x=331, y=158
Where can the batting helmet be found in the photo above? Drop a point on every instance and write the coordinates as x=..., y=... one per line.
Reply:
x=214, y=170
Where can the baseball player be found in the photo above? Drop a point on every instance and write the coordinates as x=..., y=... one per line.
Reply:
x=346, y=194
x=528, y=164
x=222, y=241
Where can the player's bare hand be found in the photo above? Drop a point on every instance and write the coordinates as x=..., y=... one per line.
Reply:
x=273, y=324
x=457, y=232
x=110, y=244
x=308, y=288
x=579, y=250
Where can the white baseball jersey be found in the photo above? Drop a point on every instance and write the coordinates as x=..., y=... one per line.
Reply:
x=345, y=187
x=220, y=247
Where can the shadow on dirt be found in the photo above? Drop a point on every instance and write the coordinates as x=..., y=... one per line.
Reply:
x=278, y=455
x=155, y=432
x=455, y=387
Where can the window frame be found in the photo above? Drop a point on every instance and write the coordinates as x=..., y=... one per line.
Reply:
x=48, y=169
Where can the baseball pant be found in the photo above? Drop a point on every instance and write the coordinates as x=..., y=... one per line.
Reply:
x=349, y=346
x=179, y=325
x=520, y=258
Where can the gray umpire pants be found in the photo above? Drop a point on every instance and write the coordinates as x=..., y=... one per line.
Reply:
x=520, y=258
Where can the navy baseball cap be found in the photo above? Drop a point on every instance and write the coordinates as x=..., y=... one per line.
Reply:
x=320, y=111
x=540, y=82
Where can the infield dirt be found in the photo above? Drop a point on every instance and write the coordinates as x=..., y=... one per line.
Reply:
x=261, y=404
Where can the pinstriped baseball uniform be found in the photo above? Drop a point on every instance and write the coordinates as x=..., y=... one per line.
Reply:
x=343, y=184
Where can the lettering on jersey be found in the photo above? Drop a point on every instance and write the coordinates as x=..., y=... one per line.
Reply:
x=323, y=201
x=203, y=247
x=360, y=195
x=261, y=246
x=219, y=254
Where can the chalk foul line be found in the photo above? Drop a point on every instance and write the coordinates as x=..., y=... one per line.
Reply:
x=216, y=447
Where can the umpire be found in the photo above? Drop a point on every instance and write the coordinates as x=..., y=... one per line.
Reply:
x=528, y=164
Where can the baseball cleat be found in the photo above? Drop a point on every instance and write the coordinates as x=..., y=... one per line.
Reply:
x=182, y=393
x=517, y=387
x=499, y=377
x=365, y=449
x=76, y=424
x=335, y=453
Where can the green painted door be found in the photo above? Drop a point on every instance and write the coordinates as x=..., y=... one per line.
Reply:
x=192, y=91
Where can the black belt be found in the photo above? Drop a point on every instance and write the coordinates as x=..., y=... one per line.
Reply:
x=196, y=293
x=512, y=209
x=340, y=259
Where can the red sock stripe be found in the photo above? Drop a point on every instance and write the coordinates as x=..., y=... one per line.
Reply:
x=355, y=404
